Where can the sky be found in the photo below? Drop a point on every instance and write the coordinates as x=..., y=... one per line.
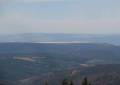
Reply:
x=60, y=16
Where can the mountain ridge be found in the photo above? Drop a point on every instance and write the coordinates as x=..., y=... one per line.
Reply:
x=61, y=37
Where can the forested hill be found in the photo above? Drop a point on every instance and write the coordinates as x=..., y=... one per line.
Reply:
x=81, y=52
x=32, y=63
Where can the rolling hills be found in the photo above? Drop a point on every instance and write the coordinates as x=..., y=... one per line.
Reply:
x=32, y=63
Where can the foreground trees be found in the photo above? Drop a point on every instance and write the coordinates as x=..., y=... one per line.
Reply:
x=46, y=82
x=85, y=81
x=65, y=82
x=70, y=82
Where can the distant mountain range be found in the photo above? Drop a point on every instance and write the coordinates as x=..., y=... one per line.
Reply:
x=61, y=38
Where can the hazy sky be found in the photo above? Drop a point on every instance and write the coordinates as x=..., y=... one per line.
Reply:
x=60, y=16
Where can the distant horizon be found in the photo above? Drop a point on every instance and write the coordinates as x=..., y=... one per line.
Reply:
x=60, y=33
x=61, y=38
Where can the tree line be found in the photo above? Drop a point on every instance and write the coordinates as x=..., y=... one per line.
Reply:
x=70, y=82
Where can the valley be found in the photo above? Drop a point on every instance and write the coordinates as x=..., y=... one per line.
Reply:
x=33, y=63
